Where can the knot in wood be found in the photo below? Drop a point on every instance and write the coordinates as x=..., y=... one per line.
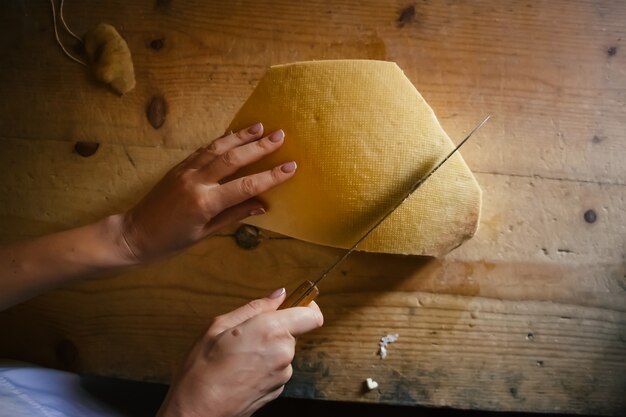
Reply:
x=407, y=15
x=86, y=149
x=247, y=237
x=156, y=111
x=590, y=216
x=157, y=44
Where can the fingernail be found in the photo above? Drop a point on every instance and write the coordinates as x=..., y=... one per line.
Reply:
x=255, y=129
x=289, y=167
x=277, y=136
x=276, y=294
x=257, y=211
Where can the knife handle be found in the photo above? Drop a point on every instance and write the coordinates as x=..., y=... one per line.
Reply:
x=301, y=296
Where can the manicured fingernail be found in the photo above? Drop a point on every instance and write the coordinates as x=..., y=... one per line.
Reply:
x=255, y=129
x=276, y=294
x=277, y=136
x=257, y=211
x=289, y=167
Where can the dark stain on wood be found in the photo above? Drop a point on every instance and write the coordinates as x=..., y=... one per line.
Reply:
x=577, y=388
x=514, y=380
x=300, y=386
x=157, y=44
x=248, y=237
x=156, y=110
x=590, y=216
x=313, y=365
x=597, y=139
x=407, y=16
x=86, y=149
x=309, y=368
x=405, y=393
x=611, y=51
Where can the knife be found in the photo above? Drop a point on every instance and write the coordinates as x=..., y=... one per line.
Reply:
x=308, y=291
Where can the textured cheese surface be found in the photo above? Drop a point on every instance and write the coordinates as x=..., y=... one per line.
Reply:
x=361, y=134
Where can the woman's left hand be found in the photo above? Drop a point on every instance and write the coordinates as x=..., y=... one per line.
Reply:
x=190, y=202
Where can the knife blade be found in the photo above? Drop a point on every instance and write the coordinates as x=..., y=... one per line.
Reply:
x=308, y=291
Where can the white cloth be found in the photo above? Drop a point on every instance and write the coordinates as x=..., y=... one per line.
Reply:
x=30, y=391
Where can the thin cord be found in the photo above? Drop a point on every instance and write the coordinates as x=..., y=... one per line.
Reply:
x=56, y=33
x=65, y=24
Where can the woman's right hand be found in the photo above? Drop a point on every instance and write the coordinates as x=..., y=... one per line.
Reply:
x=242, y=361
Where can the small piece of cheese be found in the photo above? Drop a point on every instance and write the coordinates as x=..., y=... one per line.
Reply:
x=371, y=384
x=384, y=341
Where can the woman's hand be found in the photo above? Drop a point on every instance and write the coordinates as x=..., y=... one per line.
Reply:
x=190, y=202
x=242, y=361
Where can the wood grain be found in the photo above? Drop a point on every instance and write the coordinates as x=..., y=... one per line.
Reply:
x=530, y=315
x=551, y=86
x=543, y=271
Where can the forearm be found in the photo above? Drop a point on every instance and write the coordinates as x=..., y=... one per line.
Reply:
x=33, y=267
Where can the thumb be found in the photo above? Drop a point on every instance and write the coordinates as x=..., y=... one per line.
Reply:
x=247, y=311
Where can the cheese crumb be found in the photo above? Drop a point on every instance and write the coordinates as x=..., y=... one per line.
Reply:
x=371, y=384
x=384, y=341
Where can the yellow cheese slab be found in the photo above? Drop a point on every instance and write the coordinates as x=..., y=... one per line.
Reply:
x=361, y=134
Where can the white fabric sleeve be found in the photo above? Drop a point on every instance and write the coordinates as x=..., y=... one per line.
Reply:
x=30, y=391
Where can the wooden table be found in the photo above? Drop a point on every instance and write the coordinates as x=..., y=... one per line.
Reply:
x=529, y=315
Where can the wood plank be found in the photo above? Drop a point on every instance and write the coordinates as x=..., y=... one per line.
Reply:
x=453, y=350
x=532, y=268
x=556, y=94
x=523, y=219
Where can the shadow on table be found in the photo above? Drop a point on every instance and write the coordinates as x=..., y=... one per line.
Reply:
x=142, y=399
